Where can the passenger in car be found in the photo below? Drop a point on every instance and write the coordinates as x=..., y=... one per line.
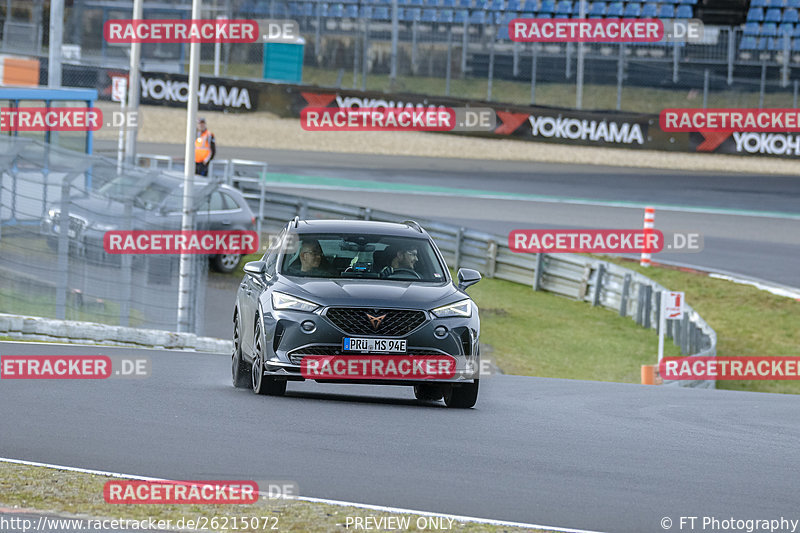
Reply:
x=312, y=261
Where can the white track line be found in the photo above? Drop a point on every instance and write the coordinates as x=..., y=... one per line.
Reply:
x=381, y=508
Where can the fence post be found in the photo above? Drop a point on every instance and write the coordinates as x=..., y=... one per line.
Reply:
x=127, y=274
x=637, y=315
x=459, y=238
x=675, y=62
x=794, y=94
x=368, y=213
x=598, y=285
x=261, y=192
x=356, y=50
x=449, y=66
x=63, y=250
x=657, y=310
x=491, y=70
x=365, y=56
x=537, y=273
x=623, y=299
x=414, y=48
x=492, y=259
x=763, y=84
x=785, y=70
x=620, y=74
x=648, y=302
x=706, y=76
x=533, y=73
x=685, y=334
x=464, y=45
x=731, y=53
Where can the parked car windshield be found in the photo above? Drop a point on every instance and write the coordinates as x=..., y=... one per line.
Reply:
x=124, y=187
x=344, y=255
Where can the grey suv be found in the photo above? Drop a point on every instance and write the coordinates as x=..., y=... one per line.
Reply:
x=343, y=288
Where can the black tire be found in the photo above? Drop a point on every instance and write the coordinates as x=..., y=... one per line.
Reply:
x=463, y=396
x=225, y=263
x=429, y=393
x=240, y=372
x=260, y=383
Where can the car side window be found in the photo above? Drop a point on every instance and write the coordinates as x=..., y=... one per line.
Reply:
x=216, y=202
x=229, y=203
x=272, y=254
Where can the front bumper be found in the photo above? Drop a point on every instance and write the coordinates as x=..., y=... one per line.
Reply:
x=287, y=343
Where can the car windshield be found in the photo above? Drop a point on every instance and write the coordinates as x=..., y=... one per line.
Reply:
x=344, y=255
x=124, y=187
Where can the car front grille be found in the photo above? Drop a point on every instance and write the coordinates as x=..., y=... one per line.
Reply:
x=296, y=356
x=76, y=224
x=383, y=322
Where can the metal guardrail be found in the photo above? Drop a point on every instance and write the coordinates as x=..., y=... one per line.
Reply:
x=594, y=281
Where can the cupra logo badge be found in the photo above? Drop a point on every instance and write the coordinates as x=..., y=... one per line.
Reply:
x=375, y=320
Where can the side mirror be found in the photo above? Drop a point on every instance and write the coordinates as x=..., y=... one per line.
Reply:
x=255, y=268
x=467, y=277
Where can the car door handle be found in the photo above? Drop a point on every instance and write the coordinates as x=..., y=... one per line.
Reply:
x=226, y=222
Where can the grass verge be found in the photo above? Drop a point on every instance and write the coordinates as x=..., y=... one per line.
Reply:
x=74, y=493
x=748, y=321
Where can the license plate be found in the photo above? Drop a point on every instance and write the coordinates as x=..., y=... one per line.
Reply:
x=70, y=232
x=368, y=345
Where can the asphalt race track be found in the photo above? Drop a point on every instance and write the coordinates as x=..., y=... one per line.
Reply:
x=750, y=223
x=572, y=454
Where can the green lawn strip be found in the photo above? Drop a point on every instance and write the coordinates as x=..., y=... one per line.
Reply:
x=748, y=321
x=75, y=493
x=543, y=334
x=595, y=96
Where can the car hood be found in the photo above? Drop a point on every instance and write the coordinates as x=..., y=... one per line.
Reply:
x=372, y=292
x=97, y=209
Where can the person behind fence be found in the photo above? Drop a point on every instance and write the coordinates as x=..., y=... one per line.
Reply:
x=205, y=148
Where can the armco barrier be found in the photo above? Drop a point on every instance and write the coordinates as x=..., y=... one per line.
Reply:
x=49, y=329
x=593, y=281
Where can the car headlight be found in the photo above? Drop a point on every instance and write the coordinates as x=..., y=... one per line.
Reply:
x=462, y=308
x=286, y=301
x=52, y=213
x=103, y=227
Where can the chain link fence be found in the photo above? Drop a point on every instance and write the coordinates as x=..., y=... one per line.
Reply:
x=55, y=206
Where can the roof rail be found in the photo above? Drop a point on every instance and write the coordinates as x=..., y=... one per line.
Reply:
x=413, y=224
x=296, y=221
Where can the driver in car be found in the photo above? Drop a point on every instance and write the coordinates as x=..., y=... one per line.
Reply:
x=400, y=258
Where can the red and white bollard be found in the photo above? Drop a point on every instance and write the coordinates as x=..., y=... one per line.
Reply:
x=649, y=224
